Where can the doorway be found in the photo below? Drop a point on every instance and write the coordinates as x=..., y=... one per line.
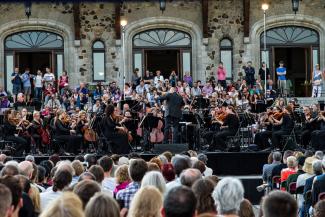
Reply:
x=163, y=60
x=33, y=60
x=297, y=61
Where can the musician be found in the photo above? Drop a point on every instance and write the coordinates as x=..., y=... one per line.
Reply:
x=10, y=132
x=35, y=128
x=309, y=122
x=65, y=131
x=286, y=123
x=114, y=132
x=229, y=128
x=318, y=136
x=261, y=139
x=173, y=113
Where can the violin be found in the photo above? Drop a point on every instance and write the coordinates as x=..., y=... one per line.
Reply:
x=278, y=115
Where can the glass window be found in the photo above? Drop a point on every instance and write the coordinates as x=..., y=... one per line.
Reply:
x=290, y=35
x=226, y=55
x=138, y=62
x=162, y=38
x=34, y=39
x=9, y=70
x=315, y=57
x=186, y=61
x=265, y=58
x=98, y=61
x=59, y=64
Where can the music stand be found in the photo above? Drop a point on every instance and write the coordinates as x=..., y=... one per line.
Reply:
x=148, y=123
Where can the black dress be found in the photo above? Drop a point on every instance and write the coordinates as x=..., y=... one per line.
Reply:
x=286, y=128
x=9, y=131
x=118, y=139
x=62, y=133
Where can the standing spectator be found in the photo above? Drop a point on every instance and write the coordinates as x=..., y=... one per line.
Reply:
x=188, y=79
x=179, y=201
x=63, y=80
x=27, y=84
x=16, y=83
x=49, y=77
x=221, y=74
x=137, y=170
x=135, y=79
x=250, y=74
x=173, y=78
x=281, y=72
x=279, y=204
x=158, y=78
x=147, y=78
x=262, y=72
x=38, y=79
x=317, y=82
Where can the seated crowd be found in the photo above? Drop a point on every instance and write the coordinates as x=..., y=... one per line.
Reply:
x=169, y=186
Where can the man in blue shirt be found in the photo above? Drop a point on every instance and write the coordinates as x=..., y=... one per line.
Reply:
x=26, y=84
x=281, y=71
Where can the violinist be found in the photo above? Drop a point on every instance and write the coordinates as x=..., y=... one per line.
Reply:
x=65, y=131
x=228, y=128
x=81, y=125
x=309, y=121
x=114, y=132
x=261, y=138
x=218, y=115
x=10, y=132
x=318, y=136
x=286, y=124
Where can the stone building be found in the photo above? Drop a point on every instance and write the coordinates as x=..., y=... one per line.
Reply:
x=189, y=35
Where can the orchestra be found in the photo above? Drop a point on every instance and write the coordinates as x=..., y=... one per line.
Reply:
x=124, y=124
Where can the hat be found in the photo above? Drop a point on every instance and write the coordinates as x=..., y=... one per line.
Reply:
x=308, y=165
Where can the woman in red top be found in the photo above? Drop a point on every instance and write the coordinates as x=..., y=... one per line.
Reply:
x=64, y=79
x=292, y=169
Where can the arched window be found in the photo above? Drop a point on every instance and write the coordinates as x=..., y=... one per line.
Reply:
x=226, y=55
x=98, y=61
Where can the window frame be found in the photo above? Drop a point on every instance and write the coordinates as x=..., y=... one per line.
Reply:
x=98, y=50
x=227, y=48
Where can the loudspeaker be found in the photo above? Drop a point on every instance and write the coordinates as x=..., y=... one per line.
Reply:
x=174, y=148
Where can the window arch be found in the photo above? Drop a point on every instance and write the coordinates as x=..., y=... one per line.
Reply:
x=226, y=50
x=98, y=51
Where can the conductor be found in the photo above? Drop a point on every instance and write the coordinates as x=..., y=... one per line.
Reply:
x=173, y=114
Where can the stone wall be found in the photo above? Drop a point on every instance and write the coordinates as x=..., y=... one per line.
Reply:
x=225, y=21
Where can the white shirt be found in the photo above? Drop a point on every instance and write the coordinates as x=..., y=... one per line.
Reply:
x=108, y=185
x=47, y=197
x=208, y=171
x=38, y=81
x=173, y=184
x=158, y=78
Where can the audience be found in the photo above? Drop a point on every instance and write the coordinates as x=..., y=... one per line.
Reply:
x=172, y=187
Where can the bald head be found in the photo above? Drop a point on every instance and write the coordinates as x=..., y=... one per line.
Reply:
x=189, y=176
x=26, y=168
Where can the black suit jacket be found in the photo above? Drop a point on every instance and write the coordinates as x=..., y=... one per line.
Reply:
x=318, y=187
x=174, y=103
